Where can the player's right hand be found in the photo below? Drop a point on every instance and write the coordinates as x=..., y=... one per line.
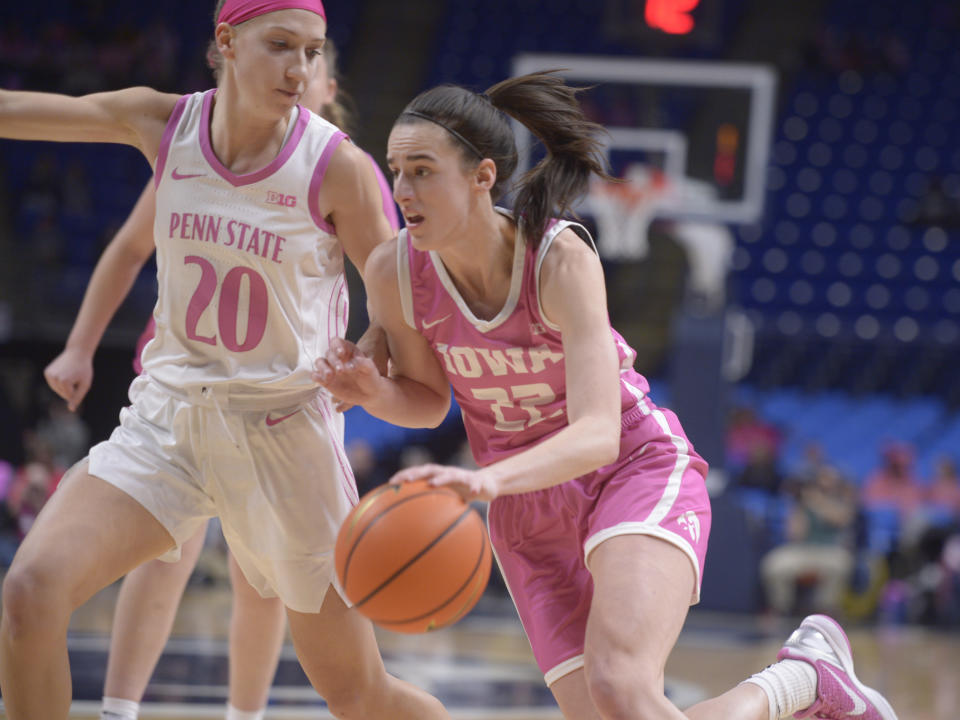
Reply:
x=70, y=375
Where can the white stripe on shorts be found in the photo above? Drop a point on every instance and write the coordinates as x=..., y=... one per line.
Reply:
x=564, y=668
x=672, y=490
x=643, y=528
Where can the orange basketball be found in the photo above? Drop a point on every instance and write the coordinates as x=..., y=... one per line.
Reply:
x=412, y=557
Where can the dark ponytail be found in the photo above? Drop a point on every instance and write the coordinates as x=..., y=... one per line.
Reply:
x=549, y=109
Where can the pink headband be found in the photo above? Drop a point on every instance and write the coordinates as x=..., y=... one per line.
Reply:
x=235, y=12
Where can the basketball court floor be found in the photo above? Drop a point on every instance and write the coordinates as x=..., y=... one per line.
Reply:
x=482, y=668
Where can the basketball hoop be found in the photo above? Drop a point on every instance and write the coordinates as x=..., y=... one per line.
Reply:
x=623, y=210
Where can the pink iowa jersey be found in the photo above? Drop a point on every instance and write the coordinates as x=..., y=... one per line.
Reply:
x=251, y=282
x=507, y=373
x=508, y=377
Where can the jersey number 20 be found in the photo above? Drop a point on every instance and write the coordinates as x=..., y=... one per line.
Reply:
x=229, y=305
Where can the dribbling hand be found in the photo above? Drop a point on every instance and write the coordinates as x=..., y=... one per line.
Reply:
x=70, y=376
x=347, y=374
x=469, y=484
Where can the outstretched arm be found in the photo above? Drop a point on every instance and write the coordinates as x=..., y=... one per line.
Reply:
x=71, y=372
x=135, y=116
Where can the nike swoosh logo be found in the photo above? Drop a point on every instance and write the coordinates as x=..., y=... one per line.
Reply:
x=177, y=176
x=859, y=706
x=428, y=325
x=273, y=421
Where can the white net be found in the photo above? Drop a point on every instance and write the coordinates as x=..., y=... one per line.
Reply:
x=624, y=210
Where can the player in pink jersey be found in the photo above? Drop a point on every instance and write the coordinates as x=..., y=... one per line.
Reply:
x=599, y=515
x=149, y=596
x=262, y=197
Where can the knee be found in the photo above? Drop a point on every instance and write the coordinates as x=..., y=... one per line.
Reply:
x=31, y=603
x=346, y=705
x=351, y=699
x=622, y=688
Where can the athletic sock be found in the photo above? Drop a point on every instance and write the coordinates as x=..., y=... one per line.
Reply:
x=790, y=686
x=119, y=709
x=235, y=714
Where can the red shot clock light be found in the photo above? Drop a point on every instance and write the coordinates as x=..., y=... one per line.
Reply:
x=671, y=16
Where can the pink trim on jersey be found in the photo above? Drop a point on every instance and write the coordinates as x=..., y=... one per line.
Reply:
x=235, y=12
x=146, y=336
x=167, y=138
x=317, y=180
x=508, y=374
x=206, y=145
x=389, y=206
x=332, y=308
x=343, y=304
x=341, y=453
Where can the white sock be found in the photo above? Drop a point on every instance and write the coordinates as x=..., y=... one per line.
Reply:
x=119, y=709
x=235, y=714
x=790, y=686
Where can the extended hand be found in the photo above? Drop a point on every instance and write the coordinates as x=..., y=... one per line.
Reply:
x=348, y=374
x=470, y=484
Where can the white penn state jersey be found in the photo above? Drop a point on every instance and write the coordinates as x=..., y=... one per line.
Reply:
x=251, y=281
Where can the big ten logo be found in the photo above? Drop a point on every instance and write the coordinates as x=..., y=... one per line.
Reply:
x=275, y=198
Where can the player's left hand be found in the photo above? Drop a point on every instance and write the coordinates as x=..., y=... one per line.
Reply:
x=347, y=373
x=469, y=484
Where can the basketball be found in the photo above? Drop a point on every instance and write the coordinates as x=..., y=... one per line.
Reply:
x=412, y=557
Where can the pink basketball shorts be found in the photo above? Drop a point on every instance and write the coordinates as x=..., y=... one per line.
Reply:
x=543, y=539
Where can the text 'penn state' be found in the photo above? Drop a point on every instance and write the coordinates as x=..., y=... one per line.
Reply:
x=232, y=233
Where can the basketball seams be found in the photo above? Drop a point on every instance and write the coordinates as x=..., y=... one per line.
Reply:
x=416, y=558
x=399, y=571
x=377, y=518
x=472, y=577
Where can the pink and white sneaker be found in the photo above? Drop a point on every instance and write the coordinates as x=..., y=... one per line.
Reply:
x=821, y=642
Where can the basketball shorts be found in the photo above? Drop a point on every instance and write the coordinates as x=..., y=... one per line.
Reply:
x=277, y=477
x=543, y=539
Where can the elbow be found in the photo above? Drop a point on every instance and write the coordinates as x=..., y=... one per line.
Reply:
x=438, y=413
x=609, y=449
x=606, y=447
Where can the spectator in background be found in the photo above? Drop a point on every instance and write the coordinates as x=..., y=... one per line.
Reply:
x=747, y=436
x=810, y=466
x=943, y=492
x=894, y=484
x=820, y=536
x=762, y=471
x=9, y=532
x=62, y=433
x=33, y=486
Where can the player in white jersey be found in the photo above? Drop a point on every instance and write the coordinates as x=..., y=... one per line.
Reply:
x=257, y=199
x=149, y=596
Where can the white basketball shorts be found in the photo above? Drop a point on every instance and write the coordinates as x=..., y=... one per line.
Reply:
x=277, y=477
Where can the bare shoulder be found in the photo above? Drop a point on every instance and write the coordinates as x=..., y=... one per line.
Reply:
x=382, y=265
x=134, y=116
x=348, y=162
x=145, y=100
x=148, y=113
x=141, y=108
x=349, y=180
x=567, y=254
